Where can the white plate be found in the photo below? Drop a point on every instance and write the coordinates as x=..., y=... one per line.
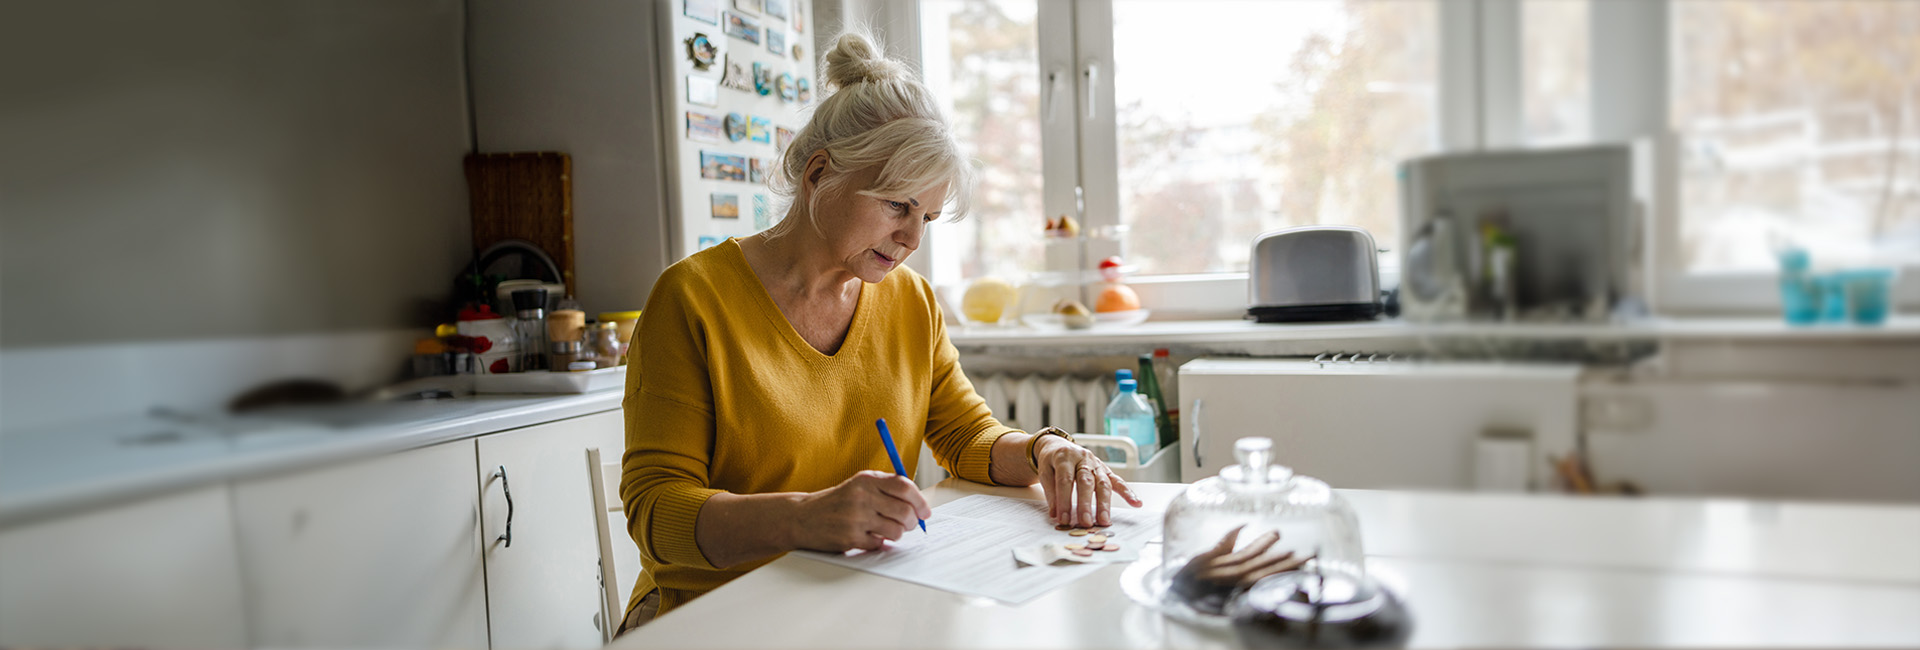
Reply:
x=1106, y=319
x=1143, y=584
x=1101, y=321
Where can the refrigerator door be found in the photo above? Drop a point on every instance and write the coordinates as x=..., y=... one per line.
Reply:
x=1378, y=425
x=736, y=82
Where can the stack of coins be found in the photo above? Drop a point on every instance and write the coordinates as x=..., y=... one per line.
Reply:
x=1097, y=540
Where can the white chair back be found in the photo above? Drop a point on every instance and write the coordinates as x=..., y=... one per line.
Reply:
x=606, y=500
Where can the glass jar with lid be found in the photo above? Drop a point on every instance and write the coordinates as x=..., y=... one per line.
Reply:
x=1255, y=497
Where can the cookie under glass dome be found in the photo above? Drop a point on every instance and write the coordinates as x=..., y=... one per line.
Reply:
x=1256, y=496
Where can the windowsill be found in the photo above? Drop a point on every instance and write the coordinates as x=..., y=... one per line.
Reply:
x=1213, y=332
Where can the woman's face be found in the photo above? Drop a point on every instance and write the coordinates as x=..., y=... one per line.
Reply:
x=871, y=235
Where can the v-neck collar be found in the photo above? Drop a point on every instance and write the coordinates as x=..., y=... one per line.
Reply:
x=779, y=320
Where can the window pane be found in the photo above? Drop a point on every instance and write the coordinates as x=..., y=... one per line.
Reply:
x=981, y=57
x=1800, y=122
x=1240, y=117
x=1553, y=71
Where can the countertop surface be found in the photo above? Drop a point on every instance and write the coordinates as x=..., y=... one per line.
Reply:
x=94, y=461
x=1897, y=328
x=1476, y=570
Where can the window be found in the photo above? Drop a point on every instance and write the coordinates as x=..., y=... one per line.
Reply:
x=1213, y=136
x=981, y=58
x=1236, y=117
x=1193, y=125
x=1799, y=122
x=1556, y=83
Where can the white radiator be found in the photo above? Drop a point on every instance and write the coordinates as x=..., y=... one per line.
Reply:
x=1030, y=402
x=1075, y=403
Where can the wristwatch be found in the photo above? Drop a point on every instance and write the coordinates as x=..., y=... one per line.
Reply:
x=1034, y=442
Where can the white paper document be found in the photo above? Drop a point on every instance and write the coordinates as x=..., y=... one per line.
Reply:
x=968, y=543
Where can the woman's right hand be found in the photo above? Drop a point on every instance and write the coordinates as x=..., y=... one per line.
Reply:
x=861, y=512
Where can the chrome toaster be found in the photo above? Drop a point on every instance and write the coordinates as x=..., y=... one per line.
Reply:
x=1313, y=273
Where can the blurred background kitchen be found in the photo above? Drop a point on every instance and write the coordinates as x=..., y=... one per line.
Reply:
x=297, y=298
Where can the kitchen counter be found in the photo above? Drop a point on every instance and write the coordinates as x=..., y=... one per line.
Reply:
x=1175, y=332
x=86, y=463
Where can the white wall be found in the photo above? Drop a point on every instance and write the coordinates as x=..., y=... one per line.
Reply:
x=581, y=77
x=220, y=168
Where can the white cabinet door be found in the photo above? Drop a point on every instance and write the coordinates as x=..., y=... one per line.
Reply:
x=158, y=573
x=380, y=552
x=543, y=588
x=1373, y=426
x=1757, y=439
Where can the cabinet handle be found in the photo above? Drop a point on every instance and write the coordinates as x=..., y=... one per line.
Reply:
x=507, y=490
x=1196, y=432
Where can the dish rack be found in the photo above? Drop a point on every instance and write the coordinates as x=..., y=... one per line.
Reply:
x=543, y=382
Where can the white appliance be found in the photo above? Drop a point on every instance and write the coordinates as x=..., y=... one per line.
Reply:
x=707, y=210
x=1572, y=217
x=1370, y=423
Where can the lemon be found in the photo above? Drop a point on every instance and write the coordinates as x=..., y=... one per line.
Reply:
x=987, y=300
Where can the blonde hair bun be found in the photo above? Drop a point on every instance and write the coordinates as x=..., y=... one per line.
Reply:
x=856, y=59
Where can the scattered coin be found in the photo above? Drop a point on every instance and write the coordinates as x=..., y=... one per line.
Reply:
x=1075, y=547
x=1096, y=537
x=1078, y=532
x=1110, y=547
x=1095, y=546
x=1083, y=553
x=1063, y=527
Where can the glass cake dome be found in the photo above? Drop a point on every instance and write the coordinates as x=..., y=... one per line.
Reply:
x=1254, y=497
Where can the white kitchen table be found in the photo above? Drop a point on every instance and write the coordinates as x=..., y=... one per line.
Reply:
x=1475, y=569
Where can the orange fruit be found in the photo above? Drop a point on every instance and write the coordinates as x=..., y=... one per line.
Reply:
x=1117, y=297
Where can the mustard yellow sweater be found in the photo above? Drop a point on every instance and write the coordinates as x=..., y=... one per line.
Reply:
x=726, y=397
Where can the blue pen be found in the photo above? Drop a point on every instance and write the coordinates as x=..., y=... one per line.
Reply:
x=894, y=454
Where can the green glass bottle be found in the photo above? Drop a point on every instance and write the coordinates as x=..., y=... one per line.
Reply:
x=1150, y=388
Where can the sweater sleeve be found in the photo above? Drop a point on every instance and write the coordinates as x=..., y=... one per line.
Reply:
x=961, y=429
x=669, y=429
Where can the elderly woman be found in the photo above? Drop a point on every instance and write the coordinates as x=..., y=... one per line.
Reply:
x=764, y=361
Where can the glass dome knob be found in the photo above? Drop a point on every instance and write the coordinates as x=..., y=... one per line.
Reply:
x=1255, y=456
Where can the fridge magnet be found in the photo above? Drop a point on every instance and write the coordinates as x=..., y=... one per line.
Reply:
x=742, y=27
x=805, y=92
x=702, y=91
x=749, y=6
x=735, y=77
x=708, y=241
x=756, y=170
x=762, y=78
x=762, y=216
x=701, y=51
x=776, y=8
x=726, y=206
x=776, y=41
x=800, y=17
x=785, y=85
x=736, y=126
x=723, y=166
x=706, y=11
x=705, y=127
x=781, y=138
x=760, y=129
x=798, y=54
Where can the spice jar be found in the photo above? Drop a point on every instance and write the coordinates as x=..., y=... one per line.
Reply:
x=627, y=322
x=603, y=344
x=530, y=324
x=566, y=330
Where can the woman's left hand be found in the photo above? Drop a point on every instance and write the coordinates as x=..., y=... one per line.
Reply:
x=1078, y=486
